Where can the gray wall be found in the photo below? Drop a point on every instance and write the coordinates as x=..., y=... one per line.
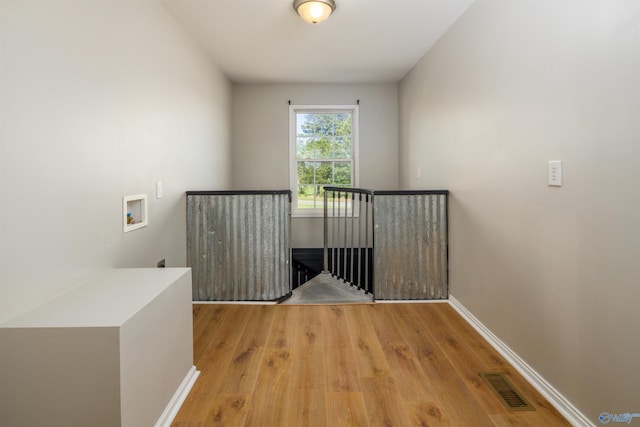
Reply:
x=261, y=138
x=99, y=100
x=552, y=271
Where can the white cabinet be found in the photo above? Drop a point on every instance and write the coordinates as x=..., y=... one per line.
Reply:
x=113, y=352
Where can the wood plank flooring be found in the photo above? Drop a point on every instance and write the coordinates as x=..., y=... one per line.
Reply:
x=347, y=365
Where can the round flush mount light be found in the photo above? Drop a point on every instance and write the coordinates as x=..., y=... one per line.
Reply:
x=314, y=11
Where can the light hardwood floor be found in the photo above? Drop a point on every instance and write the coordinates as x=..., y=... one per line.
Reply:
x=348, y=365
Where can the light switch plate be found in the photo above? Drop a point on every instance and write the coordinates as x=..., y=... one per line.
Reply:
x=159, y=190
x=555, y=173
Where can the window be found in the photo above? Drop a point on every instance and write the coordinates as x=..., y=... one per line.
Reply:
x=324, y=152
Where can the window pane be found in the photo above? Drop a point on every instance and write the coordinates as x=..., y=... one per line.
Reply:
x=306, y=196
x=306, y=173
x=317, y=124
x=342, y=173
x=319, y=197
x=324, y=173
x=305, y=147
x=343, y=124
x=323, y=125
x=342, y=147
x=301, y=130
x=310, y=124
x=324, y=148
x=310, y=196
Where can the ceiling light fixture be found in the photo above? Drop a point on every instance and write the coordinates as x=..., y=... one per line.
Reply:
x=314, y=11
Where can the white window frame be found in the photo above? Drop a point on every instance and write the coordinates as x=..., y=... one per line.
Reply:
x=354, y=110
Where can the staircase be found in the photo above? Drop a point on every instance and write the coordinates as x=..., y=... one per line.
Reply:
x=328, y=289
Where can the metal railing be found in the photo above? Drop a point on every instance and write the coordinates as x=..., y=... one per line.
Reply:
x=348, y=235
x=238, y=243
x=404, y=234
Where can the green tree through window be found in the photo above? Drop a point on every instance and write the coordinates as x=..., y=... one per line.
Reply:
x=324, y=154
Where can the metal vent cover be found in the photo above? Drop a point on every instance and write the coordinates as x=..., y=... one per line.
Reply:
x=508, y=395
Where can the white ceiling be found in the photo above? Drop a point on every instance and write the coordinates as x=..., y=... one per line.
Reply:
x=264, y=41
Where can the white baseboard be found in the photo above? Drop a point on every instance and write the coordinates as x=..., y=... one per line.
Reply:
x=237, y=302
x=411, y=301
x=178, y=398
x=570, y=412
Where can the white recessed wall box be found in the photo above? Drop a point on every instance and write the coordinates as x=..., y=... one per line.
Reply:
x=134, y=212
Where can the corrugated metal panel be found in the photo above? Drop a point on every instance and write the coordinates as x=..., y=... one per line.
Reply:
x=410, y=255
x=238, y=246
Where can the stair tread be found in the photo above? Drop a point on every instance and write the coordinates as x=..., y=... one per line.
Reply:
x=327, y=289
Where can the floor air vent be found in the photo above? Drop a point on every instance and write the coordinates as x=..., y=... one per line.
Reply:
x=507, y=394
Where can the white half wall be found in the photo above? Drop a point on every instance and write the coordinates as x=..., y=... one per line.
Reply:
x=113, y=352
x=98, y=100
x=552, y=271
x=261, y=138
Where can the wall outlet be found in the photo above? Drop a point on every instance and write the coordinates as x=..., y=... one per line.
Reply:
x=555, y=173
x=159, y=190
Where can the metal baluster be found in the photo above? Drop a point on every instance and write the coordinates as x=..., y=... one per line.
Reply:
x=360, y=240
x=337, y=268
x=346, y=203
x=366, y=243
x=353, y=210
x=325, y=253
x=333, y=234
